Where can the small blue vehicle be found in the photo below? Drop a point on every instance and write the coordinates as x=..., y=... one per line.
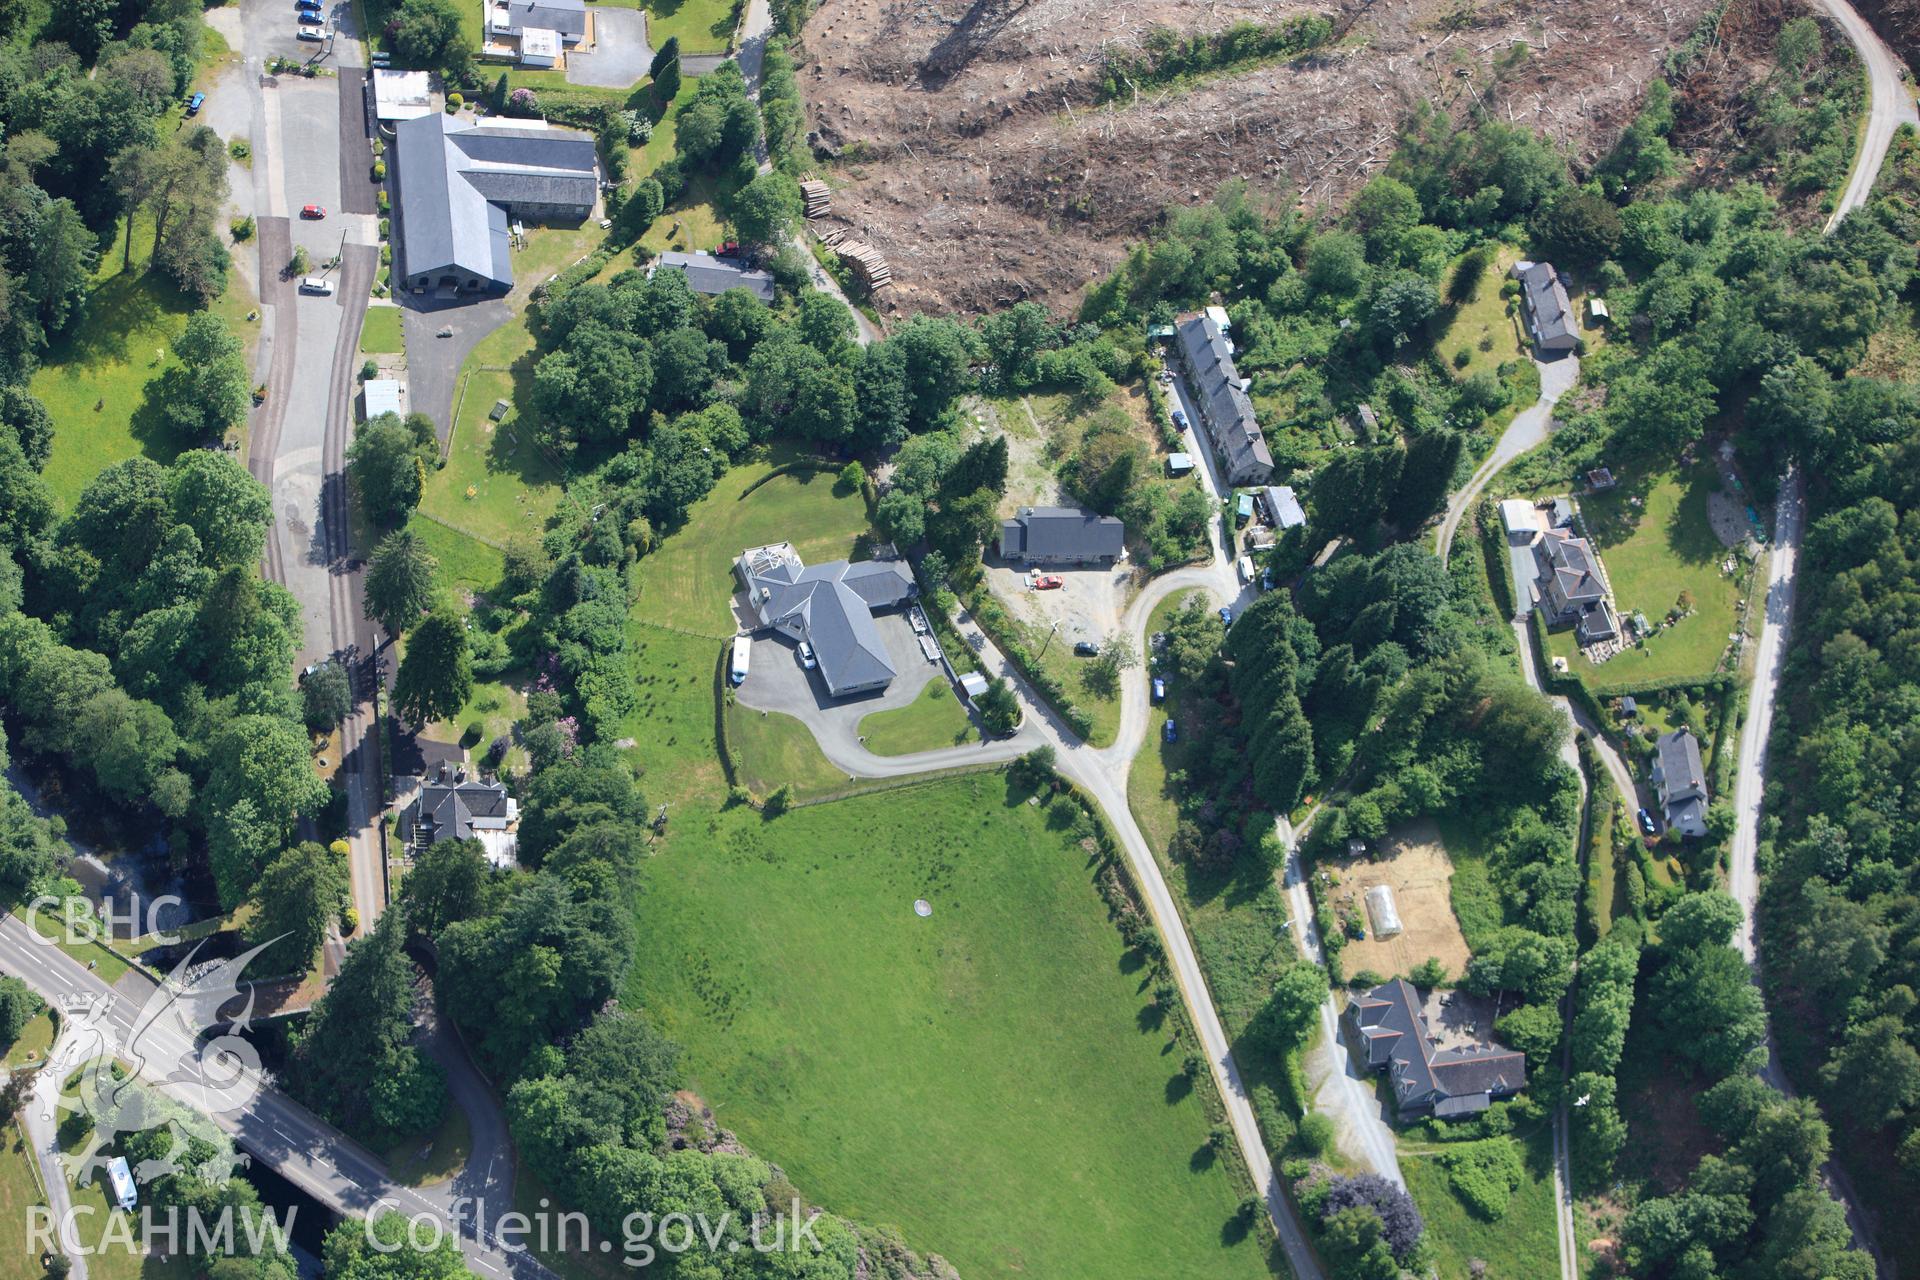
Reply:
x=1159, y=690
x=1226, y=616
x=1180, y=419
x=1172, y=732
x=194, y=103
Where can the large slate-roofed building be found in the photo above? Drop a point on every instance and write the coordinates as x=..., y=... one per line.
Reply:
x=1225, y=409
x=462, y=184
x=462, y=808
x=1681, y=782
x=1571, y=587
x=1061, y=535
x=708, y=274
x=1549, y=313
x=566, y=18
x=1391, y=1027
x=831, y=607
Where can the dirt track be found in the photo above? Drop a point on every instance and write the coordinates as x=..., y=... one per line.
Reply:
x=972, y=154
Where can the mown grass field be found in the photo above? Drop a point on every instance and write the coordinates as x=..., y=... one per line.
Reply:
x=1653, y=553
x=934, y=719
x=1522, y=1244
x=991, y=1079
x=468, y=566
x=94, y=380
x=1484, y=321
x=497, y=482
x=688, y=581
x=1147, y=795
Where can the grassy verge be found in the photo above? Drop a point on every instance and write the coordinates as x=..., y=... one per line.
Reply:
x=932, y=720
x=108, y=967
x=19, y=1193
x=703, y=26
x=1147, y=792
x=441, y=1155
x=35, y=1039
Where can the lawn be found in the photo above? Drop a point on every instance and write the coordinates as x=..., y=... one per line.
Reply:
x=688, y=581
x=1653, y=554
x=1486, y=327
x=19, y=1192
x=106, y=965
x=672, y=728
x=489, y=713
x=468, y=566
x=113, y=1258
x=498, y=482
x=380, y=334
x=704, y=26
x=934, y=719
x=777, y=751
x=990, y=1079
x=1522, y=1244
x=93, y=381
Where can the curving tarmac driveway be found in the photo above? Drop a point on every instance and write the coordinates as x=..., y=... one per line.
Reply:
x=1889, y=105
x=1528, y=429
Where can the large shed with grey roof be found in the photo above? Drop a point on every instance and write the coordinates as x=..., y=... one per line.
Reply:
x=831, y=607
x=1390, y=1025
x=1681, y=782
x=707, y=274
x=1225, y=409
x=1549, y=313
x=460, y=185
x=1061, y=535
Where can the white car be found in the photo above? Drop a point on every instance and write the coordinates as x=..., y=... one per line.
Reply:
x=316, y=285
x=807, y=659
x=308, y=31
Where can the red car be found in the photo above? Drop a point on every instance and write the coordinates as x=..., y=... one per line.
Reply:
x=1048, y=582
x=313, y=211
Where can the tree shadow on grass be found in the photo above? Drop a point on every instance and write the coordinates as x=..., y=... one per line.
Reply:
x=120, y=305
x=1689, y=531
x=1179, y=1088
x=1204, y=1157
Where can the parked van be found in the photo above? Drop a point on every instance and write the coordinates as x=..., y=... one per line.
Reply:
x=742, y=653
x=315, y=284
x=1246, y=570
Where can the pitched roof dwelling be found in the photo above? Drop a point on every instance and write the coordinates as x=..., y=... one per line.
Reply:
x=1225, y=409
x=1391, y=1025
x=566, y=18
x=1549, y=314
x=451, y=806
x=831, y=607
x=708, y=274
x=1283, y=506
x=381, y=395
x=1061, y=535
x=460, y=183
x=1572, y=587
x=1680, y=781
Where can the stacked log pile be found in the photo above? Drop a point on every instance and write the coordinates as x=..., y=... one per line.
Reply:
x=868, y=264
x=819, y=198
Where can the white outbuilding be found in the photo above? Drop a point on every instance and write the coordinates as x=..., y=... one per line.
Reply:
x=1516, y=517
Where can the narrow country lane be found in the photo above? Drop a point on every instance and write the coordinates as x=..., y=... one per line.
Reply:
x=1528, y=429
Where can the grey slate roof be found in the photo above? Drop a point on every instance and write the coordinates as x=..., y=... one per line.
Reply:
x=1547, y=305
x=1392, y=1028
x=831, y=607
x=1570, y=562
x=1681, y=776
x=456, y=179
x=1283, y=506
x=1228, y=410
x=455, y=810
x=568, y=17
x=708, y=274
x=1061, y=533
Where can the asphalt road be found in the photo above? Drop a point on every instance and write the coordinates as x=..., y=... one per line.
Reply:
x=273, y=1128
x=1889, y=105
